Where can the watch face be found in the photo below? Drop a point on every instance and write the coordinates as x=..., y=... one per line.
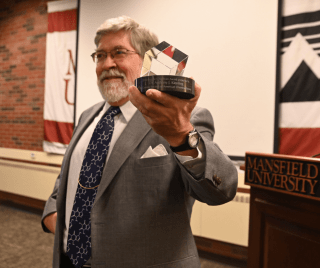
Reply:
x=193, y=139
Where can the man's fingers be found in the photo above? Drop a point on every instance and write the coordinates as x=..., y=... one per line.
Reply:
x=143, y=103
x=135, y=96
x=156, y=102
x=160, y=97
x=197, y=90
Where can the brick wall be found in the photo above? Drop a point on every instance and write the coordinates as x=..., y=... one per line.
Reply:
x=23, y=28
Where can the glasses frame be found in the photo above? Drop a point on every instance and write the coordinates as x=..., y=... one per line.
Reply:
x=112, y=53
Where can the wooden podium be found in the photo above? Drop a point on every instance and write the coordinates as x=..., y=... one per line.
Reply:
x=284, y=226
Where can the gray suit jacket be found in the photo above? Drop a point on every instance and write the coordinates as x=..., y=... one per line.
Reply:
x=141, y=215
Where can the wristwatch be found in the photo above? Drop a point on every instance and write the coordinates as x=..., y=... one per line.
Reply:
x=192, y=142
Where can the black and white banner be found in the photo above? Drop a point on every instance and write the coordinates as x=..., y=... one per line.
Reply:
x=300, y=78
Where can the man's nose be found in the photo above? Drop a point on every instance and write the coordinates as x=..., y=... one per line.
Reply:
x=109, y=63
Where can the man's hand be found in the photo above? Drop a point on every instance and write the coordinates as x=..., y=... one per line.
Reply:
x=50, y=222
x=168, y=116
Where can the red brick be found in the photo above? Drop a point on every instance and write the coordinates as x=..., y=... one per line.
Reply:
x=16, y=39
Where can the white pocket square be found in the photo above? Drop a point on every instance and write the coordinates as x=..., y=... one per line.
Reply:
x=157, y=151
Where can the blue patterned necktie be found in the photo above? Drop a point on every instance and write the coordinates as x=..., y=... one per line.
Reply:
x=79, y=236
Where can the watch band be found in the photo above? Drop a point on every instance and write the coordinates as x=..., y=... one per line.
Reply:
x=186, y=146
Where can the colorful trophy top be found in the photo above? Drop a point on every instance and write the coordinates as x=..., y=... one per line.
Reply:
x=162, y=69
x=164, y=59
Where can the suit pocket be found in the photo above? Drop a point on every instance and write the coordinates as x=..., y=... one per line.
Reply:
x=156, y=170
x=154, y=161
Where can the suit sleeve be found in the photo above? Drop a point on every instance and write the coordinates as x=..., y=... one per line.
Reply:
x=50, y=206
x=218, y=184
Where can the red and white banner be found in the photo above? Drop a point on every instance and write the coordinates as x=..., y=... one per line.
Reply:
x=300, y=78
x=60, y=75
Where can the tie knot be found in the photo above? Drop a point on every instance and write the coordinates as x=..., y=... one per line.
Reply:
x=114, y=110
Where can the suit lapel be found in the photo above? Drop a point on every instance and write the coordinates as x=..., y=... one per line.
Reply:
x=132, y=135
x=85, y=121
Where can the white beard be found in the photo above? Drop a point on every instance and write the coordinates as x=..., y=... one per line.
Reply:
x=113, y=91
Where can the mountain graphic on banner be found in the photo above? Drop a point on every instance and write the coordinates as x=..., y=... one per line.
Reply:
x=298, y=51
x=299, y=109
x=299, y=127
x=303, y=85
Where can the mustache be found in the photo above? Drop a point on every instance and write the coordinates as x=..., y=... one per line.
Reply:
x=113, y=72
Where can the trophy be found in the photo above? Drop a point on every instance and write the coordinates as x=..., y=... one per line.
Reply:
x=162, y=69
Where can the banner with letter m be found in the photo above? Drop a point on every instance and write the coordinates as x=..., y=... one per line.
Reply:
x=60, y=75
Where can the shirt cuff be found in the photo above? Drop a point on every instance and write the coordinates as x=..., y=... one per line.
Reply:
x=195, y=166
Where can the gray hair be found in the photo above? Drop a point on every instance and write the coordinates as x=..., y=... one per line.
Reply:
x=141, y=38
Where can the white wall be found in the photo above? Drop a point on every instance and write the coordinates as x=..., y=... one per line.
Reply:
x=232, y=54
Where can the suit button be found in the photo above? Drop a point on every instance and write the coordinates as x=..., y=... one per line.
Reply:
x=217, y=180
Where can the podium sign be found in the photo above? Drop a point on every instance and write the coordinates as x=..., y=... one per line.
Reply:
x=287, y=174
x=284, y=228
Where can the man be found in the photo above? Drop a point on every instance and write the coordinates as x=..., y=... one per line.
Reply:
x=134, y=209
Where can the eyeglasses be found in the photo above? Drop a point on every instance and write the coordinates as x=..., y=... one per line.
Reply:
x=117, y=54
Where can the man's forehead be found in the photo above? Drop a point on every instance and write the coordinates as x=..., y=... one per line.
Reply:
x=114, y=40
x=98, y=49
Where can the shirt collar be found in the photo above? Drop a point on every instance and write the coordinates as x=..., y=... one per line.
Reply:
x=127, y=110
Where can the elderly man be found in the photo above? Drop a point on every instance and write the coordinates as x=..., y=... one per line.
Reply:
x=134, y=167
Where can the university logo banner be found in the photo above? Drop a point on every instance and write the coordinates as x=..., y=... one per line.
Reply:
x=300, y=78
x=59, y=79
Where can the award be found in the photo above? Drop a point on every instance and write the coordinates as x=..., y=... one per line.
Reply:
x=162, y=69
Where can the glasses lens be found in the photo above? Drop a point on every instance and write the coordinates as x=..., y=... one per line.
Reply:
x=93, y=55
x=100, y=56
x=119, y=53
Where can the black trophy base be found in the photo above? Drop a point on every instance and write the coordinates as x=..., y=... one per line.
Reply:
x=178, y=86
